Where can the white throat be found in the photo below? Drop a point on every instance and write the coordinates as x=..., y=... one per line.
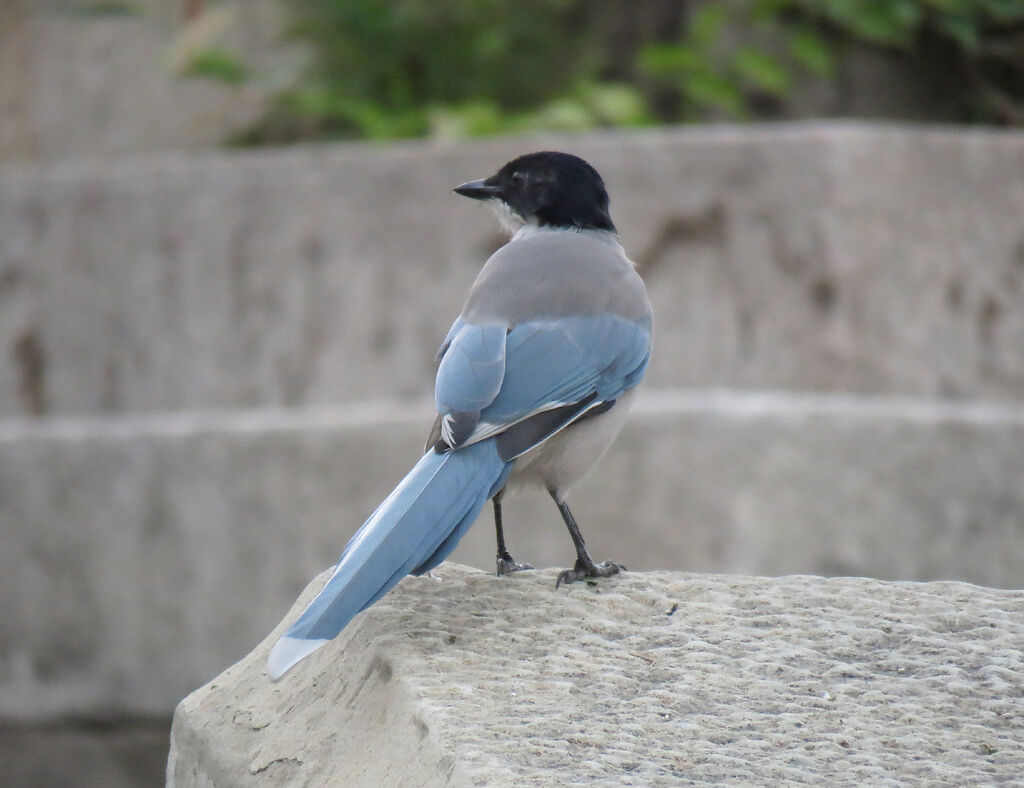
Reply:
x=510, y=221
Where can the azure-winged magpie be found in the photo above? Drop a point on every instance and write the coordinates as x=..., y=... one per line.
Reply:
x=535, y=378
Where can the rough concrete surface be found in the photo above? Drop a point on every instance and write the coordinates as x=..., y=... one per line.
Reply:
x=81, y=83
x=141, y=558
x=822, y=257
x=646, y=679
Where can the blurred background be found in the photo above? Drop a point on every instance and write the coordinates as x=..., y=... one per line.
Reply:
x=209, y=210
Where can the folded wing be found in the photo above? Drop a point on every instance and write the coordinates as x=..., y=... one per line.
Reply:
x=536, y=378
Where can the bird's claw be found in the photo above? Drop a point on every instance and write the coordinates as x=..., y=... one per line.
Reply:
x=506, y=566
x=583, y=570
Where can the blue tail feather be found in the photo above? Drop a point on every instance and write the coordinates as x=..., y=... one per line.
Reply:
x=412, y=531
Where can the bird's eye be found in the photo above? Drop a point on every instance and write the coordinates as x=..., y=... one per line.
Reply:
x=518, y=176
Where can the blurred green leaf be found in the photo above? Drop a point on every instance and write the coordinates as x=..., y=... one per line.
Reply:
x=767, y=12
x=712, y=90
x=658, y=60
x=614, y=104
x=1004, y=10
x=811, y=52
x=887, y=22
x=944, y=6
x=217, y=64
x=472, y=119
x=962, y=29
x=761, y=70
x=707, y=23
x=564, y=114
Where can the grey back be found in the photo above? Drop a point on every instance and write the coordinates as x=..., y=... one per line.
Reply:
x=550, y=275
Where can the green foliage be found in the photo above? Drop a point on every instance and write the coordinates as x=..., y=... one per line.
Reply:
x=396, y=68
x=217, y=64
x=979, y=43
x=883, y=22
x=387, y=67
x=588, y=105
x=708, y=72
x=810, y=51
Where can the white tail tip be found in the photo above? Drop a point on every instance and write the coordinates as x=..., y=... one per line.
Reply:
x=287, y=652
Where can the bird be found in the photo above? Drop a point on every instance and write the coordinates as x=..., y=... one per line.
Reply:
x=534, y=381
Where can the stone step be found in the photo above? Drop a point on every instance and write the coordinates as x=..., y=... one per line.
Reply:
x=143, y=554
x=831, y=257
x=652, y=679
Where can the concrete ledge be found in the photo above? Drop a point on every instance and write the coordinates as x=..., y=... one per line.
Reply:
x=85, y=753
x=647, y=679
x=143, y=555
x=828, y=257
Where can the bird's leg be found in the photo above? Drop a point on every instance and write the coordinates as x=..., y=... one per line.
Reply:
x=585, y=566
x=506, y=564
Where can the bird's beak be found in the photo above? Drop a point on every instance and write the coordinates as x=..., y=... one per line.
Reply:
x=478, y=190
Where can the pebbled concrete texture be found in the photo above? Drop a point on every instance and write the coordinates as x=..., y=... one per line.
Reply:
x=649, y=679
x=810, y=257
x=141, y=557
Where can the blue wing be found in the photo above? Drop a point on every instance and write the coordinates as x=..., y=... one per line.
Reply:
x=472, y=367
x=491, y=379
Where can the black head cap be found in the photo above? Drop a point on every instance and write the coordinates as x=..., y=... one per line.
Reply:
x=548, y=189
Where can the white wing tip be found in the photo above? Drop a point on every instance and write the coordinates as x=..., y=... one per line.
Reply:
x=287, y=652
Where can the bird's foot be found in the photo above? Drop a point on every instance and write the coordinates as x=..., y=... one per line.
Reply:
x=585, y=569
x=507, y=565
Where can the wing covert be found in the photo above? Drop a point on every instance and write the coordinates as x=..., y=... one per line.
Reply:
x=491, y=377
